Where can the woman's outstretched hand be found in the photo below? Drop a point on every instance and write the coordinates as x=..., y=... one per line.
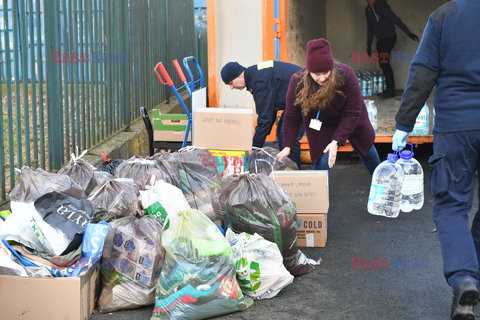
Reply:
x=332, y=153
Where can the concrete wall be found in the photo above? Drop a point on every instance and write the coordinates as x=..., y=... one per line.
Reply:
x=345, y=27
x=239, y=38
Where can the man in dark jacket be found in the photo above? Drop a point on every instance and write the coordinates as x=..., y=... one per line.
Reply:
x=448, y=57
x=268, y=83
x=381, y=21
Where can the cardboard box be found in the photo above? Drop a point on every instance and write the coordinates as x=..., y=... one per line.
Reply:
x=170, y=127
x=308, y=188
x=172, y=136
x=312, y=230
x=26, y=298
x=229, y=162
x=223, y=128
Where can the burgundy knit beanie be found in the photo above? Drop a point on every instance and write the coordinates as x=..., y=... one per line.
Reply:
x=319, y=56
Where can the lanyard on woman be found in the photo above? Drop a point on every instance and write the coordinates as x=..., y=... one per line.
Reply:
x=316, y=124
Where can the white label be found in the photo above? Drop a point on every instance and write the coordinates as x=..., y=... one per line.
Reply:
x=412, y=184
x=309, y=237
x=315, y=124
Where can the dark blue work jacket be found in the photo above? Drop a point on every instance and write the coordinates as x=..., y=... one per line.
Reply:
x=268, y=82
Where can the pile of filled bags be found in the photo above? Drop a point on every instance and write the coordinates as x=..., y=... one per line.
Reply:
x=165, y=231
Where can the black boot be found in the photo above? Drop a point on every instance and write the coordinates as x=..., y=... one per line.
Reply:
x=465, y=297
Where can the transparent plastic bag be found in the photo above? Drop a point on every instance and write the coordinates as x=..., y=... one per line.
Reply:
x=32, y=184
x=132, y=258
x=140, y=170
x=114, y=199
x=257, y=204
x=198, y=277
x=81, y=172
x=262, y=160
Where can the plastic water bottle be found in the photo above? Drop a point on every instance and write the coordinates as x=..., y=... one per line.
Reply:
x=421, y=127
x=385, y=190
x=372, y=113
x=380, y=83
x=412, y=187
x=369, y=85
x=364, y=86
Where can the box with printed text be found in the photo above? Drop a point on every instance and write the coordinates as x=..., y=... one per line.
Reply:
x=308, y=188
x=311, y=230
x=223, y=128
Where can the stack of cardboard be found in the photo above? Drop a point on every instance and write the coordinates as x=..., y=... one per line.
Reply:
x=309, y=190
x=227, y=133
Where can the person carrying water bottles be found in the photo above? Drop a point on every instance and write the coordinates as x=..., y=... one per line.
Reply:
x=448, y=58
x=325, y=97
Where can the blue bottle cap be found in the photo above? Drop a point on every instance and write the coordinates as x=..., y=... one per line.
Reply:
x=406, y=154
x=392, y=157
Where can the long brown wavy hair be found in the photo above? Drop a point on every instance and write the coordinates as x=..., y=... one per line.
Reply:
x=312, y=95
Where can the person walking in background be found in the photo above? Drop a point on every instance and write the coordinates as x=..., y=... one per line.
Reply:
x=381, y=21
x=449, y=57
x=326, y=98
x=268, y=82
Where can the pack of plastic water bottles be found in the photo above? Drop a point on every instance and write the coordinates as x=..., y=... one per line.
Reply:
x=397, y=185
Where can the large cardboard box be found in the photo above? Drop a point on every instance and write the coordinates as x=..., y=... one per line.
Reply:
x=229, y=162
x=223, y=128
x=308, y=188
x=312, y=230
x=26, y=298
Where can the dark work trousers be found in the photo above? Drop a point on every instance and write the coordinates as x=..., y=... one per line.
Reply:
x=454, y=163
x=295, y=153
x=385, y=46
x=371, y=160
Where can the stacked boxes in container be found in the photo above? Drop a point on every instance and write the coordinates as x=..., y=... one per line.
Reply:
x=309, y=190
x=227, y=133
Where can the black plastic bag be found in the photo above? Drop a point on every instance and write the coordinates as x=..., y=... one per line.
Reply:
x=168, y=164
x=140, y=170
x=66, y=214
x=200, y=183
x=257, y=204
x=81, y=172
x=262, y=160
x=109, y=165
x=33, y=184
x=114, y=199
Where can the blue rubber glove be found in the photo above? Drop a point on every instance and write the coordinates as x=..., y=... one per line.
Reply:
x=399, y=140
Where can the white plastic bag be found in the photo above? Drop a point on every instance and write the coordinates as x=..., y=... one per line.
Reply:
x=163, y=201
x=7, y=264
x=55, y=238
x=259, y=264
x=20, y=226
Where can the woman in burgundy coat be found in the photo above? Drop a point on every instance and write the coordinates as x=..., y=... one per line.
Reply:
x=326, y=97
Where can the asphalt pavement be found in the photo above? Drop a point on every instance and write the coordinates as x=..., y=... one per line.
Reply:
x=411, y=286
